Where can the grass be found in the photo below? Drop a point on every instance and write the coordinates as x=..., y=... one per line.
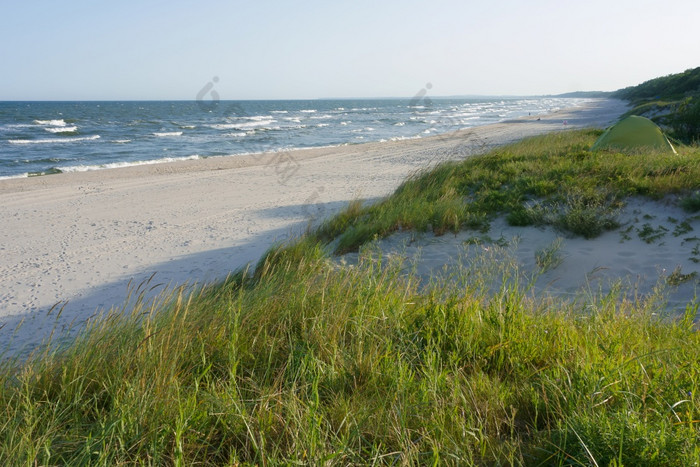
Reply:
x=691, y=203
x=550, y=256
x=548, y=180
x=307, y=362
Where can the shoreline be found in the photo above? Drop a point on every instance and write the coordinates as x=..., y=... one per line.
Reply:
x=237, y=161
x=78, y=239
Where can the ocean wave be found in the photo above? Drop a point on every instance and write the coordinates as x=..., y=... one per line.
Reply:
x=256, y=124
x=52, y=141
x=403, y=138
x=237, y=135
x=260, y=118
x=58, y=122
x=119, y=165
x=223, y=126
x=121, y=141
x=168, y=133
x=61, y=129
x=10, y=177
x=15, y=126
x=311, y=111
x=279, y=111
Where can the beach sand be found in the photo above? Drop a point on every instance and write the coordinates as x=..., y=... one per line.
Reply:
x=654, y=252
x=78, y=239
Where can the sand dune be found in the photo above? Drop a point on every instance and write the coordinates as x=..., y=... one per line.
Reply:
x=78, y=239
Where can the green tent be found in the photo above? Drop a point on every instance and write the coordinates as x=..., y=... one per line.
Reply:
x=632, y=134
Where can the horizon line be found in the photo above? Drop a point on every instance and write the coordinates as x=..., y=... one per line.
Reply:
x=456, y=96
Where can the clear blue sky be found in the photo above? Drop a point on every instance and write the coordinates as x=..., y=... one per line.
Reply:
x=80, y=49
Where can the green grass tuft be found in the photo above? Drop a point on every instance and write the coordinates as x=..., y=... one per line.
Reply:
x=547, y=180
x=691, y=203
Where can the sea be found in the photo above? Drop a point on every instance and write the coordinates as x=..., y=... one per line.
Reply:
x=43, y=138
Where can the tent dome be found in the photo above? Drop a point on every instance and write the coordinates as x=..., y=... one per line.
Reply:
x=633, y=133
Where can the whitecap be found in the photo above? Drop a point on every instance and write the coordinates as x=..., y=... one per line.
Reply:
x=64, y=129
x=168, y=133
x=118, y=165
x=242, y=125
x=52, y=141
x=402, y=138
x=59, y=122
x=10, y=177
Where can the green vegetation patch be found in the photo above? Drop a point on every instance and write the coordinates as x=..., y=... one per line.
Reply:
x=547, y=180
x=671, y=101
x=309, y=363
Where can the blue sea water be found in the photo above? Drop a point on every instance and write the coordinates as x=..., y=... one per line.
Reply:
x=38, y=138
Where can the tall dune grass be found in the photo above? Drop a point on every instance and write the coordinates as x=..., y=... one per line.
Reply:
x=309, y=362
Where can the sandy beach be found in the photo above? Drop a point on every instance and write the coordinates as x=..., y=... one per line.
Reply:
x=78, y=239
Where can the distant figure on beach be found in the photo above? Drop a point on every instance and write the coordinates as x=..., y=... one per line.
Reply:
x=565, y=123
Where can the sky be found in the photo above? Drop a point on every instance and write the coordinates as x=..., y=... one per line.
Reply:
x=272, y=49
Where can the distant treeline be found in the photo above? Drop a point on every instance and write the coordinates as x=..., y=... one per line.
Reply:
x=672, y=101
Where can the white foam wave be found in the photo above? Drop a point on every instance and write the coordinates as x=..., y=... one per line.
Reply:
x=61, y=129
x=14, y=126
x=168, y=133
x=10, y=177
x=242, y=125
x=52, y=141
x=118, y=165
x=402, y=138
x=279, y=111
x=59, y=122
x=323, y=125
x=237, y=135
x=308, y=111
x=122, y=141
